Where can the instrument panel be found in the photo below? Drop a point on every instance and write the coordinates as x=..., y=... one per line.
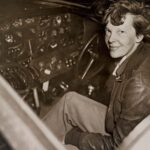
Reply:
x=44, y=45
x=39, y=50
x=23, y=37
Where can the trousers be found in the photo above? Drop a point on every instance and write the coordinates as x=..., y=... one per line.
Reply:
x=74, y=110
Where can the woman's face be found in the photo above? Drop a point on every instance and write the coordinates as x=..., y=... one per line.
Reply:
x=121, y=40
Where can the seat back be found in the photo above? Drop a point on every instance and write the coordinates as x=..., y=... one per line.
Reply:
x=139, y=138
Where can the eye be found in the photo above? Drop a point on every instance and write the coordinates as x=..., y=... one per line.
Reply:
x=107, y=31
x=121, y=31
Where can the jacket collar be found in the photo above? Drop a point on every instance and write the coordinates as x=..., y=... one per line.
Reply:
x=132, y=61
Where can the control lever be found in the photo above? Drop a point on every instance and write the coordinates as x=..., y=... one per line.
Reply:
x=93, y=58
x=36, y=100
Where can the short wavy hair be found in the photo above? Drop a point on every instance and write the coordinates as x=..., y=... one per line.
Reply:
x=118, y=10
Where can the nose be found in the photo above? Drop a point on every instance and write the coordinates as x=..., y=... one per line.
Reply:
x=112, y=38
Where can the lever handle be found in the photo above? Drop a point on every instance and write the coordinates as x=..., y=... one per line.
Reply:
x=88, y=67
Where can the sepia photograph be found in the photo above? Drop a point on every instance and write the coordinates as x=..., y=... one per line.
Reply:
x=74, y=74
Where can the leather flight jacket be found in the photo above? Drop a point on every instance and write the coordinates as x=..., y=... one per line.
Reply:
x=130, y=96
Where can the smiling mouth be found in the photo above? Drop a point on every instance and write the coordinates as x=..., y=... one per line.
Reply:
x=113, y=48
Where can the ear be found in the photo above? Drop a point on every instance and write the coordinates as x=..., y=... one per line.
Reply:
x=139, y=38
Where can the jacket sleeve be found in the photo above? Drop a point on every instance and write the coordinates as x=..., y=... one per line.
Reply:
x=135, y=104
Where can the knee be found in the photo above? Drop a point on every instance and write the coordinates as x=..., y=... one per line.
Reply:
x=70, y=98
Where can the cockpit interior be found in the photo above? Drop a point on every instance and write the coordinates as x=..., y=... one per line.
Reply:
x=50, y=47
